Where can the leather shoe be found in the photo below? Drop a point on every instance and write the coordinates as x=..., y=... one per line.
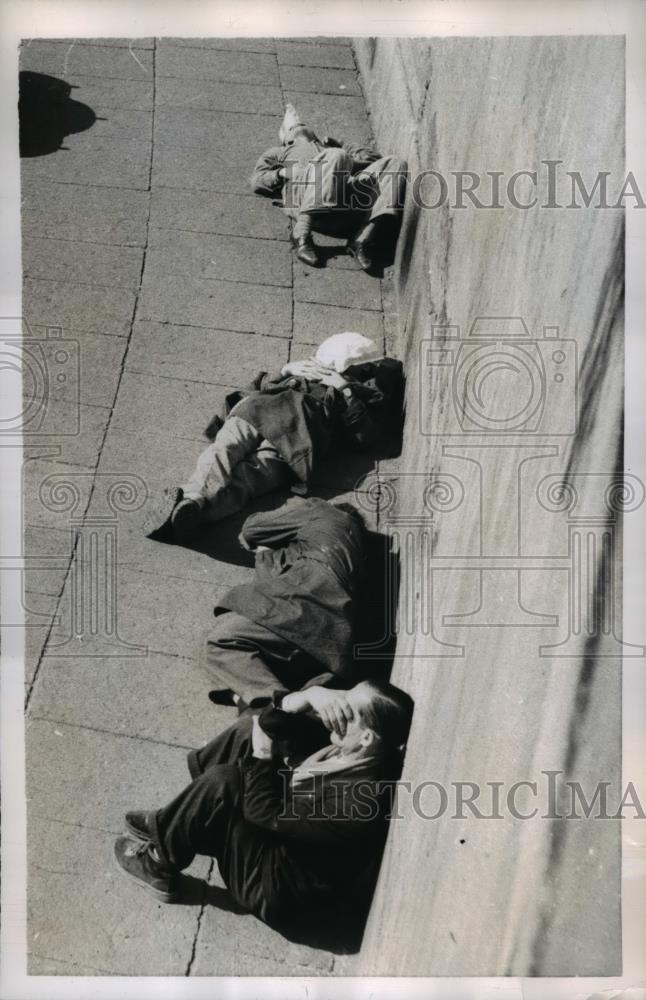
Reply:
x=306, y=251
x=136, y=859
x=361, y=253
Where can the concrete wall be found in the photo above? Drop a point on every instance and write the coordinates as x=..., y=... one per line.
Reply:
x=499, y=560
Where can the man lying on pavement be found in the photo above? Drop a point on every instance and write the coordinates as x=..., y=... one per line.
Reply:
x=289, y=832
x=274, y=433
x=293, y=625
x=335, y=188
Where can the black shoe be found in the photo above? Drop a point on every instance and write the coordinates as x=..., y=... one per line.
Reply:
x=157, y=523
x=135, y=858
x=186, y=520
x=228, y=698
x=138, y=824
x=306, y=251
x=360, y=250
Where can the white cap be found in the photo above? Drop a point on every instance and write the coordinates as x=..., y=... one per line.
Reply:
x=344, y=349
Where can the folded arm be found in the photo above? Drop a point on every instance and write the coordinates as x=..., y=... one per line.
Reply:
x=268, y=174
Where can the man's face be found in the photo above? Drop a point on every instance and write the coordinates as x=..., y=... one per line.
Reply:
x=357, y=738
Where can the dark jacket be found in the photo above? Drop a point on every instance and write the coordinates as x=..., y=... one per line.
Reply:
x=304, y=419
x=324, y=837
x=305, y=585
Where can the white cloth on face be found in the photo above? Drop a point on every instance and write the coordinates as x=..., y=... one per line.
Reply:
x=344, y=349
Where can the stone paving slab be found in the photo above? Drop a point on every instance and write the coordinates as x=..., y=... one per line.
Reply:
x=229, y=258
x=90, y=263
x=40, y=544
x=219, y=169
x=66, y=59
x=215, y=95
x=88, y=213
x=46, y=501
x=117, y=123
x=110, y=923
x=172, y=708
x=224, y=214
x=294, y=53
x=99, y=358
x=234, y=133
x=99, y=92
x=182, y=409
x=236, y=44
x=65, y=761
x=214, y=356
x=150, y=456
x=348, y=288
x=38, y=612
x=313, y=322
x=112, y=43
x=207, y=564
x=229, y=66
x=146, y=616
x=81, y=307
x=344, y=118
x=82, y=448
x=233, y=944
x=96, y=162
x=314, y=80
x=222, y=304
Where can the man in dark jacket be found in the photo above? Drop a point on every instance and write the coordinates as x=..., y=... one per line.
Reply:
x=334, y=188
x=274, y=432
x=294, y=623
x=290, y=828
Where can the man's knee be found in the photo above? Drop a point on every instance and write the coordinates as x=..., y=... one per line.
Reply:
x=228, y=629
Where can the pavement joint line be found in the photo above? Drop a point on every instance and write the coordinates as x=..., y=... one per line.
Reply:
x=200, y=916
x=74, y=965
x=227, y=281
x=104, y=436
x=214, y=112
x=109, y=732
x=181, y=378
x=233, y=236
x=96, y=243
x=84, y=284
x=105, y=187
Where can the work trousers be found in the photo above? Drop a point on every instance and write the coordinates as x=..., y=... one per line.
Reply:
x=206, y=818
x=324, y=196
x=239, y=465
x=254, y=661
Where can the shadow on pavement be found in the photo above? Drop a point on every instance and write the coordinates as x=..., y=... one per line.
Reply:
x=48, y=114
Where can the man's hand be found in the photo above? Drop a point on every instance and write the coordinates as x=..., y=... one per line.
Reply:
x=331, y=706
x=261, y=744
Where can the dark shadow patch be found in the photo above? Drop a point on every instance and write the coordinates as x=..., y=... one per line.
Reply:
x=47, y=114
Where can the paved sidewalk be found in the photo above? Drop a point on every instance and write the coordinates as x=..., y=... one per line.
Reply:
x=143, y=243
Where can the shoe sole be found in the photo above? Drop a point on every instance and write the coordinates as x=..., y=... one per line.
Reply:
x=163, y=897
x=186, y=521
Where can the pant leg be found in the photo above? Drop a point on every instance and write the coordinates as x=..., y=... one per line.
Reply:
x=318, y=189
x=206, y=818
x=237, y=466
x=227, y=747
x=253, y=661
x=380, y=189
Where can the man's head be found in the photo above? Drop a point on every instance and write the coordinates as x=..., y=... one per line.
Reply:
x=382, y=715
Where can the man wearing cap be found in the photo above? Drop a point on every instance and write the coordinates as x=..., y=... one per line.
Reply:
x=335, y=188
x=275, y=431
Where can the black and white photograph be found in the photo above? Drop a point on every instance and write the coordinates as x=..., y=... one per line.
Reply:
x=323, y=491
